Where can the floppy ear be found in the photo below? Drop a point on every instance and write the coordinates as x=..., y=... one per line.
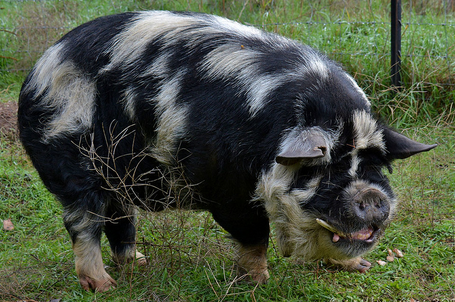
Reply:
x=306, y=145
x=399, y=146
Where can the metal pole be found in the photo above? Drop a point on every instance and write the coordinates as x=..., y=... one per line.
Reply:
x=396, y=42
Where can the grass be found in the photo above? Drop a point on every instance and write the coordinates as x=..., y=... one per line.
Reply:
x=355, y=33
x=190, y=258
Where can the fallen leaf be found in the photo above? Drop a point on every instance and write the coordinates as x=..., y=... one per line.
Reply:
x=398, y=252
x=390, y=257
x=381, y=263
x=8, y=225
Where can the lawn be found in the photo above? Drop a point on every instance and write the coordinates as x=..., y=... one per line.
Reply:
x=189, y=256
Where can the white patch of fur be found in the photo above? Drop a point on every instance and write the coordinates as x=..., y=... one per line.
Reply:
x=88, y=254
x=234, y=61
x=74, y=100
x=130, y=43
x=129, y=101
x=229, y=25
x=355, y=162
x=283, y=209
x=298, y=233
x=259, y=88
x=45, y=69
x=366, y=135
x=359, y=90
x=170, y=27
x=313, y=64
x=229, y=60
x=273, y=184
x=366, y=131
x=89, y=264
x=171, y=120
x=70, y=93
x=304, y=196
x=159, y=68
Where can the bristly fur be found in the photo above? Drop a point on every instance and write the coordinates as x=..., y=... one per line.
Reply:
x=175, y=109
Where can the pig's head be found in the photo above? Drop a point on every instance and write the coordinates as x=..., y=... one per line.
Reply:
x=327, y=193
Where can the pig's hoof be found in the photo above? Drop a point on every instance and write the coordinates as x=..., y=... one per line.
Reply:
x=362, y=266
x=252, y=263
x=97, y=285
x=138, y=258
x=141, y=260
x=355, y=264
x=260, y=277
x=254, y=277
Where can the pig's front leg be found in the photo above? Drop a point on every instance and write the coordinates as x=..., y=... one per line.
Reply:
x=249, y=227
x=252, y=260
x=355, y=264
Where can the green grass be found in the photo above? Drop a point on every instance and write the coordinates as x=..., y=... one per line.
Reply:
x=355, y=33
x=189, y=257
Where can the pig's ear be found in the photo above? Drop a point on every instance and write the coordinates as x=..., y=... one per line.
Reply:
x=399, y=146
x=306, y=145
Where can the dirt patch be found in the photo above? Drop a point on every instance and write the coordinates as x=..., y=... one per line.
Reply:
x=8, y=120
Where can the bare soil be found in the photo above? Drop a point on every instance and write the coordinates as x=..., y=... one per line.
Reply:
x=8, y=120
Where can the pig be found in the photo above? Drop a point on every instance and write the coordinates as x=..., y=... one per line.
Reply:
x=157, y=110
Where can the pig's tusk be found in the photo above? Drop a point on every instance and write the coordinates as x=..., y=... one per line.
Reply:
x=326, y=225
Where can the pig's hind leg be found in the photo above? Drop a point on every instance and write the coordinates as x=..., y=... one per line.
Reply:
x=84, y=220
x=121, y=232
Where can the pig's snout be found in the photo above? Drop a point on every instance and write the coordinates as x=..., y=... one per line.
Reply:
x=371, y=205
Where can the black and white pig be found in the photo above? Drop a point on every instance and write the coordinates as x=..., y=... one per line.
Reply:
x=165, y=110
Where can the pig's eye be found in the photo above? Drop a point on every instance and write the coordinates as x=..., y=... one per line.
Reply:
x=339, y=158
x=373, y=157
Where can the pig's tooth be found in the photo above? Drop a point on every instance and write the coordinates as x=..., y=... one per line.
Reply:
x=326, y=225
x=335, y=238
x=363, y=234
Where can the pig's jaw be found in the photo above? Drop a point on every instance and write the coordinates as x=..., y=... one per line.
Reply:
x=340, y=242
x=368, y=234
x=298, y=233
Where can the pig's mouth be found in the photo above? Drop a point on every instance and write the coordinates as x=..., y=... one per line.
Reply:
x=366, y=235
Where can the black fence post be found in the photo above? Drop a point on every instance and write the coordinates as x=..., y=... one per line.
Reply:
x=396, y=42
